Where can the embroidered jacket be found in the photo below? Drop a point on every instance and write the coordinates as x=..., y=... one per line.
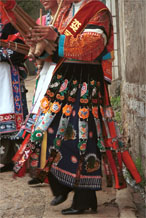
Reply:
x=94, y=44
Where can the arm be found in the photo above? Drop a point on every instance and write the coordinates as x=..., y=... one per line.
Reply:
x=88, y=45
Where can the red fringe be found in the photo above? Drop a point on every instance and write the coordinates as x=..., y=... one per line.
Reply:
x=131, y=166
x=21, y=172
x=19, y=153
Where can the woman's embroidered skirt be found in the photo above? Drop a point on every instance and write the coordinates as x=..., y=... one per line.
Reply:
x=78, y=117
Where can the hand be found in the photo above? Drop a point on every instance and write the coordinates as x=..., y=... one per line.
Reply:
x=39, y=33
x=51, y=45
x=48, y=46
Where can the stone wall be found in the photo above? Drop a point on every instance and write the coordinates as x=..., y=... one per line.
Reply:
x=132, y=22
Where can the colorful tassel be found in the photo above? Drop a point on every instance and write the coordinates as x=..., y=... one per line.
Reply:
x=19, y=153
x=131, y=166
x=113, y=168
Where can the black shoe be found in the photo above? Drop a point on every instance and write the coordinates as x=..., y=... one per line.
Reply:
x=34, y=181
x=72, y=211
x=7, y=168
x=58, y=200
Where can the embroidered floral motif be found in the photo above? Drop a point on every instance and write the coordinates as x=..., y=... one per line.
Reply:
x=73, y=113
x=102, y=111
x=62, y=130
x=59, y=76
x=83, y=113
x=108, y=112
x=74, y=82
x=83, y=89
x=63, y=86
x=100, y=144
x=92, y=163
x=90, y=134
x=57, y=142
x=70, y=99
x=51, y=94
x=73, y=91
x=54, y=85
x=37, y=135
x=34, y=163
x=57, y=158
x=45, y=104
x=70, y=133
x=92, y=82
x=67, y=110
x=82, y=145
x=55, y=107
x=94, y=91
x=74, y=159
x=50, y=130
x=84, y=101
x=83, y=130
x=94, y=101
x=34, y=156
x=95, y=111
x=60, y=97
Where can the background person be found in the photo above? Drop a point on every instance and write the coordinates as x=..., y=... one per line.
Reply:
x=13, y=108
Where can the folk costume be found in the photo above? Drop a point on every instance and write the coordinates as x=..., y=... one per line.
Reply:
x=76, y=110
x=13, y=109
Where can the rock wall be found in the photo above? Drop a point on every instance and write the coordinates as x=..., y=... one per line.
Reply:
x=132, y=22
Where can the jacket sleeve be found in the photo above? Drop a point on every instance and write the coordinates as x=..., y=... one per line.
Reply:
x=88, y=45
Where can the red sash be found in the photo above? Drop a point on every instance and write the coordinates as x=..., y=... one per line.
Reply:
x=82, y=17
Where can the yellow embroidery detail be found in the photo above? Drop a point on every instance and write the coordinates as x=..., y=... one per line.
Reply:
x=67, y=33
x=75, y=25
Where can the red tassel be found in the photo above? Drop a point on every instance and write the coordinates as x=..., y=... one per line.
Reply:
x=24, y=157
x=113, y=167
x=131, y=166
x=107, y=169
x=21, y=172
x=24, y=133
x=119, y=160
x=110, y=143
x=20, y=151
x=106, y=95
x=46, y=180
x=112, y=128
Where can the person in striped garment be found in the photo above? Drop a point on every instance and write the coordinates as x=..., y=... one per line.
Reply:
x=13, y=108
x=37, y=160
